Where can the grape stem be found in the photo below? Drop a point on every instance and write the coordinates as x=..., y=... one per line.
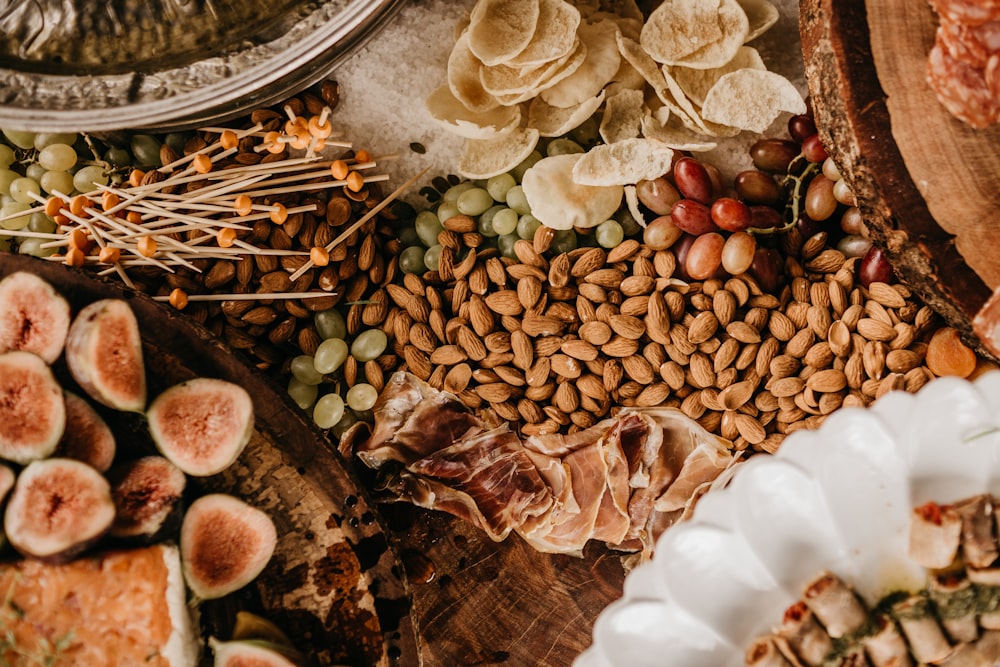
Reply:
x=793, y=208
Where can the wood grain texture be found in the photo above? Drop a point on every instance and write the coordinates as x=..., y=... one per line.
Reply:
x=923, y=180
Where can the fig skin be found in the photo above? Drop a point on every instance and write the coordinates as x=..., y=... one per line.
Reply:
x=104, y=355
x=87, y=437
x=225, y=543
x=33, y=316
x=147, y=493
x=202, y=425
x=59, y=508
x=32, y=409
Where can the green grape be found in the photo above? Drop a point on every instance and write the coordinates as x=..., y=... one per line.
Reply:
x=587, y=132
x=498, y=186
x=411, y=260
x=505, y=221
x=630, y=225
x=15, y=221
x=486, y=220
x=431, y=257
x=563, y=146
x=408, y=236
x=451, y=194
x=6, y=156
x=506, y=245
x=88, y=178
x=303, y=394
x=33, y=247
x=428, y=226
x=6, y=178
x=22, y=189
x=527, y=225
x=346, y=422
x=609, y=234
x=57, y=157
x=119, y=157
x=146, y=149
x=44, y=139
x=304, y=371
x=34, y=171
x=447, y=209
x=330, y=324
x=57, y=181
x=41, y=223
x=518, y=171
x=20, y=139
x=362, y=397
x=329, y=410
x=176, y=141
x=564, y=241
x=330, y=355
x=517, y=201
x=474, y=201
x=369, y=344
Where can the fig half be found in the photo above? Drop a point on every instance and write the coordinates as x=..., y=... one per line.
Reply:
x=248, y=654
x=58, y=508
x=146, y=492
x=87, y=436
x=104, y=355
x=225, y=544
x=32, y=409
x=33, y=316
x=202, y=425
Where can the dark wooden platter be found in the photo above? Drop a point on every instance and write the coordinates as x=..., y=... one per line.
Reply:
x=334, y=584
x=357, y=582
x=926, y=183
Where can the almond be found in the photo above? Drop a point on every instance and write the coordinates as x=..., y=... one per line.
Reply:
x=638, y=369
x=511, y=376
x=566, y=398
x=827, y=381
x=540, y=325
x=495, y=392
x=579, y=349
x=653, y=395
x=623, y=251
x=524, y=351
x=471, y=343
x=607, y=278
x=637, y=285
x=703, y=327
x=592, y=386
x=620, y=346
x=417, y=362
x=423, y=338
x=526, y=254
x=448, y=355
x=542, y=240
x=627, y=326
x=750, y=429
x=504, y=302
x=789, y=386
x=590, y=261
x=874, y=329
x=886, y=295
x=595, y=332
x=529, y=291
x=457, y=378
x=613, y=373
x=559, y=271
x=566, y=366
x=743, y=332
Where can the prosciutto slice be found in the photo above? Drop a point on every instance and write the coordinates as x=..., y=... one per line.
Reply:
x=620, y=482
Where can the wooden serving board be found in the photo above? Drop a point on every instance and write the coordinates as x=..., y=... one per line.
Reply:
x=334, y=583
x=928, y=185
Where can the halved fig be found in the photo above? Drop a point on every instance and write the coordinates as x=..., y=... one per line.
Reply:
x=202, y=425
x=104, y=355
x=58, y=508
x=87, y=437
x=249, y=654
x=33, y=316
x=225, y=544
x=147, y=493
x=32, y=409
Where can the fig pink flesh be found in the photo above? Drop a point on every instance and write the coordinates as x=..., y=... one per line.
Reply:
x=33, y=316
x=115, y=369
x=32, y=411
x=87, y=437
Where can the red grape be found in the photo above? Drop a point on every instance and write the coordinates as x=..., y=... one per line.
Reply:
x=692, y=217
x=765, y=217
x=766, y=268
x=704, y=256
x=813, y=149
x=661, y=233
x=820, y=202
x=874, y=268
x=738, y=253
x=731, y=214
x=756, y=187
x=692, y=180
x=773, y=154
x=658, y=195
x=681, y=249
x=801, y=127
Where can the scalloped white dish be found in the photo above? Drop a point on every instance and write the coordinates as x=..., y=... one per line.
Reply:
x=838, y=498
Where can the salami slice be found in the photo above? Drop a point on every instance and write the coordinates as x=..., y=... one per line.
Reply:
x=960, y=87
x=970, y=12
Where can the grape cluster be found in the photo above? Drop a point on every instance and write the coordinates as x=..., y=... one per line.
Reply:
x=35, y=165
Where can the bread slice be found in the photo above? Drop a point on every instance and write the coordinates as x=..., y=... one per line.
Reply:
x=115, y=608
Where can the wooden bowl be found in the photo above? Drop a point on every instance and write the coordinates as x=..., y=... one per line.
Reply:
x=927, y=184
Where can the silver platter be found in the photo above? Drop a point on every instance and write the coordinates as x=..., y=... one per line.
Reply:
x=98, y=65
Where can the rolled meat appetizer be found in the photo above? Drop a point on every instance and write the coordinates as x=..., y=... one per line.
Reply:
x=988, y=646
x=805, y=636
x=966, y=655
x=928, y=643
x=935, y=535
x=764, y=652
x=979, y=545
x=834, y=604
x=989, y=614
x=886, y=646
x=955, y=600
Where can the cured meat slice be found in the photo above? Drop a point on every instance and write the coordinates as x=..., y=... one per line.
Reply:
x=960, y=87
x=972, y=12
x=620, y=482
x=972, y=45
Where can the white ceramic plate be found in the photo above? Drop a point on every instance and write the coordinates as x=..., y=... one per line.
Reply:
x=838, y=498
